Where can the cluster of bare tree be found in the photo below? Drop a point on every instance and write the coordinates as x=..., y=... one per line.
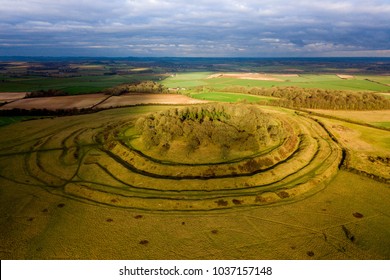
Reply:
x=140, y=87
x=236, y=126
x=46, y=93
x=318, y=98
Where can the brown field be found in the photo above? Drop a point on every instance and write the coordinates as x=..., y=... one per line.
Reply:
x=90, y=100
x=58, y=102
x=286, y=75
x=345, y=77
x=135, y=99
x=11, y=96
x=87, y=67
x=246, y=76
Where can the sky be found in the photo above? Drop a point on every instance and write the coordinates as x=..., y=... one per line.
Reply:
x=201, y=28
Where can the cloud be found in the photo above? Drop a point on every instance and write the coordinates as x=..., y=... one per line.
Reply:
x=194, y=28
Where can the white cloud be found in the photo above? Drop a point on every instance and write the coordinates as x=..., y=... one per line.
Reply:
x=206, y=27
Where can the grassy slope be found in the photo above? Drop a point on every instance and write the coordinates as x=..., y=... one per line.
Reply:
x=10, y=120
x=382, y=124
x=307, y=229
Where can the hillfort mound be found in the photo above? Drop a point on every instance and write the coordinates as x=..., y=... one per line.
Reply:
x=184, y=158
x=208, y=133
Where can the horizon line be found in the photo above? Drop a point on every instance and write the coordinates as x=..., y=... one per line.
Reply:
x=196, y=57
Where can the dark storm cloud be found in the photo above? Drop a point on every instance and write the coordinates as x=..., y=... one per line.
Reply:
x=199, y=28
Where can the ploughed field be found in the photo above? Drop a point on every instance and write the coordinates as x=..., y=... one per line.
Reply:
x=97, y=100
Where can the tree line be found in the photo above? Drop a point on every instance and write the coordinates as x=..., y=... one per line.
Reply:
x=46, y=93
x=47, y=112
x=139, y=87
x=295, y=97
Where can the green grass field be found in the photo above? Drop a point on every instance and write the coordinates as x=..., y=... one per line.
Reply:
x=382, y=124
x=72, y=85
x=323, y=81
x=89, y=81
x=10, y=120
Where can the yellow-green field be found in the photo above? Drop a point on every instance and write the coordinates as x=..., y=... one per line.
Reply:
x=379, y=118
x=367, y=147
x=76, y=188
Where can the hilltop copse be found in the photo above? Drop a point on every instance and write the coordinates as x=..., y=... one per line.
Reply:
x=238, y=127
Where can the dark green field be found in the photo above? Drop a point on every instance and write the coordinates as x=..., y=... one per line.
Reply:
x=71, y=85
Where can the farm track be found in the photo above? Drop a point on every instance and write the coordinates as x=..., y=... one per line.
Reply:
x=78, y=162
